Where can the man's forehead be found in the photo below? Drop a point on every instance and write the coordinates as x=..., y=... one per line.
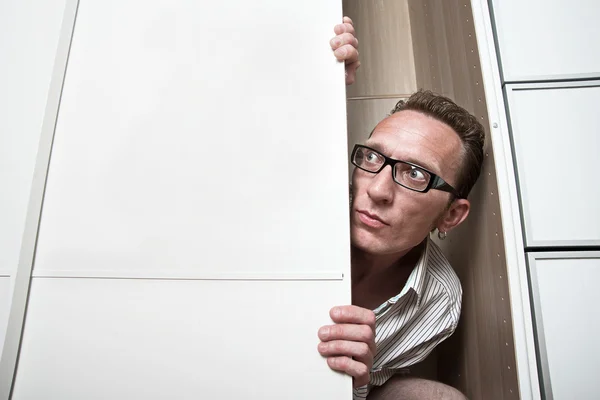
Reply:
x=386, y=137
x=415, y=137
x=412, y=122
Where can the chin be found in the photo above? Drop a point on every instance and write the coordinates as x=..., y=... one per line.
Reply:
x=367, y=242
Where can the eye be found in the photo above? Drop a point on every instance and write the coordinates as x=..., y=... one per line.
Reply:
x=372, y=157
x=416, y=174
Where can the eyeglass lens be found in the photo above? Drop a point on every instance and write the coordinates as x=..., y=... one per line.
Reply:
x=405, y=174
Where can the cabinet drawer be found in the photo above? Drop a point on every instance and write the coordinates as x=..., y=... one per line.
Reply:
x=546, y=39
x=565, y=298
x=556, y=136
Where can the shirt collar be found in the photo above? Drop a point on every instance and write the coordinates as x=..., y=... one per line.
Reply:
x=416, y=279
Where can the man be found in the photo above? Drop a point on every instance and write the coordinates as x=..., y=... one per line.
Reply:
x=411, y=177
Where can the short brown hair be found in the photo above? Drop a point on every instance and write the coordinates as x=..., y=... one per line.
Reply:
x=466, y=126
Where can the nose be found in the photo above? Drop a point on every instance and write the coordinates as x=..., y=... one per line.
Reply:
x=381, y=188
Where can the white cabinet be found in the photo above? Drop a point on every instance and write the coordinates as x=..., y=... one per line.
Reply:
x=555, y=130
x=548, y=39
x=140, y=241
x=194, y=230
x=565, y=297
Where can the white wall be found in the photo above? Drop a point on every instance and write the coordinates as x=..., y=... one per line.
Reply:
x=29, y=31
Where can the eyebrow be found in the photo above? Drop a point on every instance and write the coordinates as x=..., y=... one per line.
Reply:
x=383, y=149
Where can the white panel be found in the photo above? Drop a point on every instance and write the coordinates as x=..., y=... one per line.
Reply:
x=129, y=339
x=566, y=302
x=542, y=39
x=189, y=140
x=191, y=147
x=555, y=133
x=5, y=292
x=29, y=32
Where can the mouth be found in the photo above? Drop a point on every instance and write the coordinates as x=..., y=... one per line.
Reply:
x=372, y=220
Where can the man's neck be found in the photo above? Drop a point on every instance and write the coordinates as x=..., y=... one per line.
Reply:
x=365, y=265
x=376, y=279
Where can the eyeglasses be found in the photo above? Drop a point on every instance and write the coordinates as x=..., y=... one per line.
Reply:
x=405, y=174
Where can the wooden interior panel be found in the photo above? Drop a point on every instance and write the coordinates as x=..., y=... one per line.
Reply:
x=363, y=115
x=386, y=51
x=479, y=358
x=420, y=38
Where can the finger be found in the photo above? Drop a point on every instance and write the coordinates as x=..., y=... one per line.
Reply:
x=351, y=72
x=350, y=78
x=344, y=38
x=354, y=66
x=346, y=53
x=347, y=20
x=360, y=351
x=351, y=332
x=349, y=28
x=356, y=369
x=352, y=315
x=342, y=28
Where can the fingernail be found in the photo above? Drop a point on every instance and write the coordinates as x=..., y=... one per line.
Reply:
x=341, y=52
x=322, y=346
x=324, y=331
x=336, y=42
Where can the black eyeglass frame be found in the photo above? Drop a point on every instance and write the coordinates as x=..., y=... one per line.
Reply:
x=435, y=182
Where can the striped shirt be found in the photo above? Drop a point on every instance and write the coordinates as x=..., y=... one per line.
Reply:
x=411, y=324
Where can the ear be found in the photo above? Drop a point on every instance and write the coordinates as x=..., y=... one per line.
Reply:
x=454, y=215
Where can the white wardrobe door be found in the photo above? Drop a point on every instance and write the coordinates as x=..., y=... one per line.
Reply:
x=566, y=302
x=29, y=32
x=195, y=227
x=555, y=134
x=189, y=142
x=153, y=339
x=543, y=39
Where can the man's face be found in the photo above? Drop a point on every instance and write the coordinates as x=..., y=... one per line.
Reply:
x=386, y=217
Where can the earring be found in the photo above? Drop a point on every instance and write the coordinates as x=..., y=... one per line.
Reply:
x=442, y=235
